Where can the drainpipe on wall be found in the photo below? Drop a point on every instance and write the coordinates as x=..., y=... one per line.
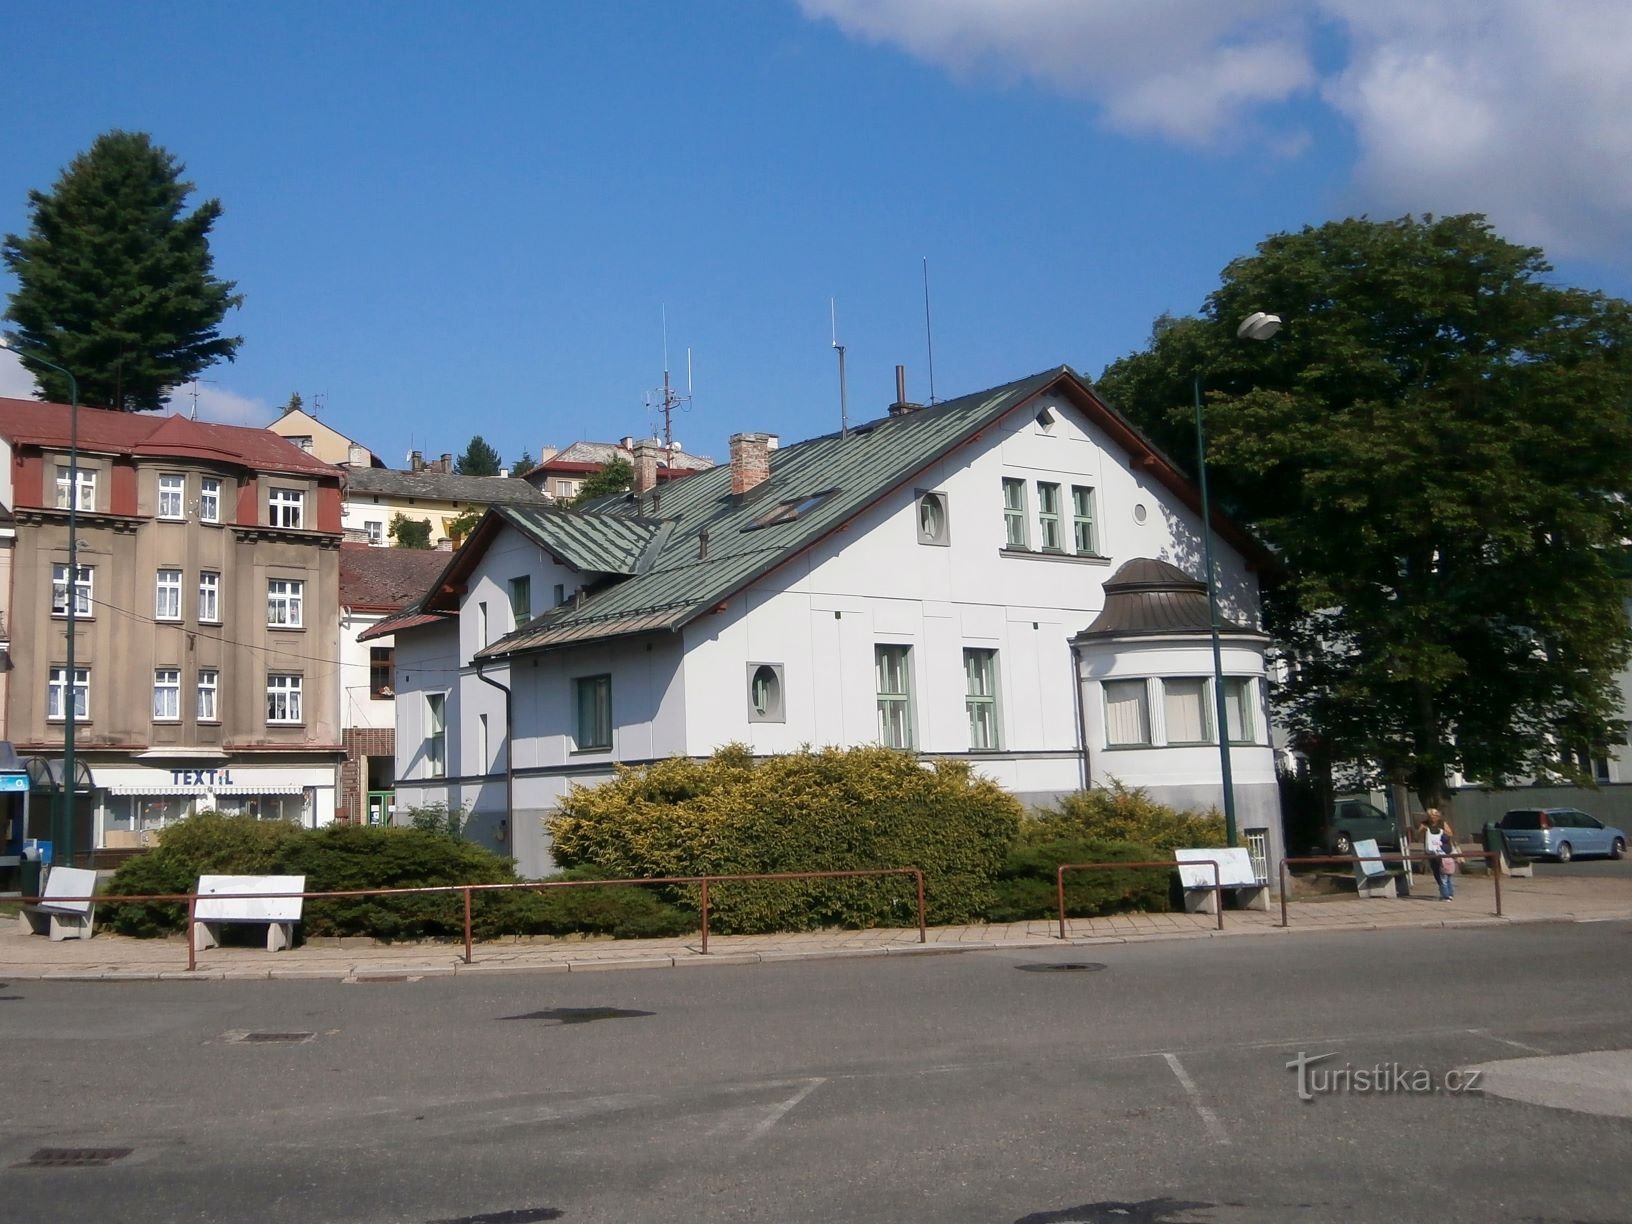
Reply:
x=509, y=761
x=1082, y=725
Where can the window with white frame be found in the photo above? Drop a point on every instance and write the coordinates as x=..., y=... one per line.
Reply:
x=1048, y=517
x=55, y=695
x=87, y=488
x=172, y=495
x=283, y=697
x=284, y=506
x=1238, y=703
x=1014, y=513
x=209, y=686
x=1185, y=710
x=436, y=735
x=166, y=694
x=594, y=701
x=980, y=699
x=209, y=499
x=83, y=582
x=283, y=602
x=375, y=530
x=209, y=597
x=167, y=595
x=1127, y=714
x=765, y=693
x=892, y=670
x=1082, y=521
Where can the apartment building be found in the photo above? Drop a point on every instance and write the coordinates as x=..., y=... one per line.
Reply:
x=206, y=616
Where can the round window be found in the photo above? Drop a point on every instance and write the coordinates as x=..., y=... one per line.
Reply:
x=931, y=518
x=1139, y=512
x=767, y=691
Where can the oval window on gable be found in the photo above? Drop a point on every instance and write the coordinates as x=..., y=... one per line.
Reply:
x=932, y=518
x=765, y=692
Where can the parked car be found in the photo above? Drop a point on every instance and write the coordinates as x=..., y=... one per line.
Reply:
x=1355, y=820
x=1561, y=833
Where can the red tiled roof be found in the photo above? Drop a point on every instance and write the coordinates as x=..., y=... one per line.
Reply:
x=37, y=423
x=386, y=579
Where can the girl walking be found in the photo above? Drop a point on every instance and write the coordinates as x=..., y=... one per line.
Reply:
x=1439, y=844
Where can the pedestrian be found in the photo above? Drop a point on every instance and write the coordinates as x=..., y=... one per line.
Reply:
x=1439, y=844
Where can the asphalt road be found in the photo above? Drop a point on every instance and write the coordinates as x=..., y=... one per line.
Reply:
x=980, y=1087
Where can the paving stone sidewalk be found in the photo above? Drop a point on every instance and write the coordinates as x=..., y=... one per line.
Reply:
x=117, y=958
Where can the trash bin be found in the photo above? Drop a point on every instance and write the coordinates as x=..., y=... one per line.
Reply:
x=28, y=874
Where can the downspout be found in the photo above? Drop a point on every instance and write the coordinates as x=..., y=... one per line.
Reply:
x=1082, y=725
x=509, y=760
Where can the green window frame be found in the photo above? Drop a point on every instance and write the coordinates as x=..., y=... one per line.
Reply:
x=892, y=670
x=1014, y=513
x=1048, y=517
x=521, y=600
x=1082, y=521
x=981, y=699
x=436, y=735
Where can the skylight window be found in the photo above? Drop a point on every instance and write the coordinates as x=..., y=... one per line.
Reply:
x=788, y=511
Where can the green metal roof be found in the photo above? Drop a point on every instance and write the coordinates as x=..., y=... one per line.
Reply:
x=677, y=578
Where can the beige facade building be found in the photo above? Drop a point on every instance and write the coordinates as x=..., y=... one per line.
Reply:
x=206, y=598
x=321, y=441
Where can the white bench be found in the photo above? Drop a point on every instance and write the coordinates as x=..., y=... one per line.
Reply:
x=221, y=899
x=58, y=918
x=1372, y=877
x=1234, y=872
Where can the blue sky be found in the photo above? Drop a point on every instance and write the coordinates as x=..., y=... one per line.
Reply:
x=458, y=219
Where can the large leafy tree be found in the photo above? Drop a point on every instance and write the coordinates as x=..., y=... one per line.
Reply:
x=1436, y=446
x=115, y=282
x=614, y=476
x=479, y=459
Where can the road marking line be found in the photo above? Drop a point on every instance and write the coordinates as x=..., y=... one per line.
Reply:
x=780, y=1111
x=1517, y=1045
x=1215, y=1128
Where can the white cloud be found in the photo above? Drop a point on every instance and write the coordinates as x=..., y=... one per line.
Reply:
x=1513, y=108
x=220, y=405
x=15, y=382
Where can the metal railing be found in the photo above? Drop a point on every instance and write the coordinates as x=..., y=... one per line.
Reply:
x=468, y=889
x=1492, y=860
x=1169, y=864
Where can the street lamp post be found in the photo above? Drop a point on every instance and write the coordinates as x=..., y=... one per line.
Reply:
x=62, y=835
x=1256, y=326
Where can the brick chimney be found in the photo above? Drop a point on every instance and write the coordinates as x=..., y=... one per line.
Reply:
x=447, y=464
x=646, y=452
x=750, y=461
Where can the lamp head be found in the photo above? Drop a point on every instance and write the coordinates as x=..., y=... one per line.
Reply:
x=1258, y=326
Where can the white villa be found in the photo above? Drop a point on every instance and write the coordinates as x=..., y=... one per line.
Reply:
x=1011, y=578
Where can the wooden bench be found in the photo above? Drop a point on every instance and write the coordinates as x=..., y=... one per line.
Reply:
x=221, y=899
x=1235, y=874
x=59, y=918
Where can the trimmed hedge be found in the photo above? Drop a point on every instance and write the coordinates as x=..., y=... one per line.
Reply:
x=1026, y=887
x=828, y=810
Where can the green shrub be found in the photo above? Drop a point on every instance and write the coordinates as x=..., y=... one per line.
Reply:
x=209, y=843
x=1027, y=886
x=828, y=810
x=1127, y=814
x=623, y=911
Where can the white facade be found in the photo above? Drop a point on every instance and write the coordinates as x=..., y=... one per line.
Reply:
x=818, y=621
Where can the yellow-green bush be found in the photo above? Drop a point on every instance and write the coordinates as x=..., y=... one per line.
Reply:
x=1125, y=814
x=828, y=810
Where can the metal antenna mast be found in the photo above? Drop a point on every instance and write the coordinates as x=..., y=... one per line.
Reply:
x=929, y=335
x=844, y=407
x=668, y=398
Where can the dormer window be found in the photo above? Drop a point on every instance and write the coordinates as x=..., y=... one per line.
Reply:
x=788, y=511
x=284, y=507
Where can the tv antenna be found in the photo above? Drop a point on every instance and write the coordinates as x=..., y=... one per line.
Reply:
x=929, y=335
x=844, y=407
x=193, y=390
x=667, y=399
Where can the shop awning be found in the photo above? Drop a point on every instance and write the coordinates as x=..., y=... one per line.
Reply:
x=235, y=788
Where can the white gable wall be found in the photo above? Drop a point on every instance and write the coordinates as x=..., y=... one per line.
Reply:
x=821, y=615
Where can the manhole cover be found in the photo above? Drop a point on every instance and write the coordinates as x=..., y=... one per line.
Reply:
x=521, y=1215
x=73, y=1158
x=248, y=1038
x=1063, y=967
x=580, y=1015
x=1150, y=1211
